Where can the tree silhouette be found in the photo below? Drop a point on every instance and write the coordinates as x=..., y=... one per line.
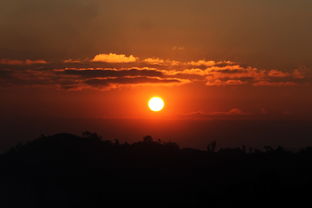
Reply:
x=148, y=139
x=66, y=170
x=211, y=147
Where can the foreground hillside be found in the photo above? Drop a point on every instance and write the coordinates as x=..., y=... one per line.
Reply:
x=66, y=170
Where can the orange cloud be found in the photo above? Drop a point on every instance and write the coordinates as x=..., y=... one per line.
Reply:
x=199, y=63
x=202, y=63
x=276, y=73
x=199, y=72
x=158, y=61
x=154, y=61
x=218, y=83
x=298, y=74
x=71, y=61
x=114, y=58
x=233, y=75
x=209, y=63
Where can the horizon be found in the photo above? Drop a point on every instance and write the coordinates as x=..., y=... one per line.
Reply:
x=291, y=134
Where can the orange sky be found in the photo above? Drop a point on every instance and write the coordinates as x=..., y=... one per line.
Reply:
x=104, y=59
x=119, y=86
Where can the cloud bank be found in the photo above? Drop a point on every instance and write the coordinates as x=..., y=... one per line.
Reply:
x=116, y=70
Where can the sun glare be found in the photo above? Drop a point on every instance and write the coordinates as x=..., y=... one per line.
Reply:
x=156, y=104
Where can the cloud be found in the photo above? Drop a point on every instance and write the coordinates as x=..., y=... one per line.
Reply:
x=231, y=112
x=100, y=83
x=72, y=61
x=121, y=70
x=234, y=113
x=198, y=72
x=218, y=83
x=209, y=63
x=114, y=58
x=202, y=63
x=162, y=62
x=112, y=72
x=21, y=62
x=154, y=61
x=276, y=73
x=185, y=64
x=297, y=74
x=274, y=84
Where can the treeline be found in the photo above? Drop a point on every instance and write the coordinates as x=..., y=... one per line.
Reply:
x=66, y=170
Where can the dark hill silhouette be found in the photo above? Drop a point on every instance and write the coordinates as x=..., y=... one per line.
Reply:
x=66, y=170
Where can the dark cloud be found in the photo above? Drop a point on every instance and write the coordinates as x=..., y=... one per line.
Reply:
x=132, y=80
x=4, y=74
x=113, y=73
x=230, y=71
x=186, y=76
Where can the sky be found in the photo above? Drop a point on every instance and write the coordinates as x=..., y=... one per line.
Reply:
x=212, y=59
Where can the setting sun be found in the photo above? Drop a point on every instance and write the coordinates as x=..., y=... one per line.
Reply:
x=156, y=104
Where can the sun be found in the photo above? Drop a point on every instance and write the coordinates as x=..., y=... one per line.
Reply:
x=156, y=104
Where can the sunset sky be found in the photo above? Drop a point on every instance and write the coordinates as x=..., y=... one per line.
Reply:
x=208, y=59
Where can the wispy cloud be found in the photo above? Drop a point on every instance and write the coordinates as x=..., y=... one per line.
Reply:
x=115, y=82
x=112, y=72
x=218, y=83
x=21, y=62
x=235, y=113
x=274, y=84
